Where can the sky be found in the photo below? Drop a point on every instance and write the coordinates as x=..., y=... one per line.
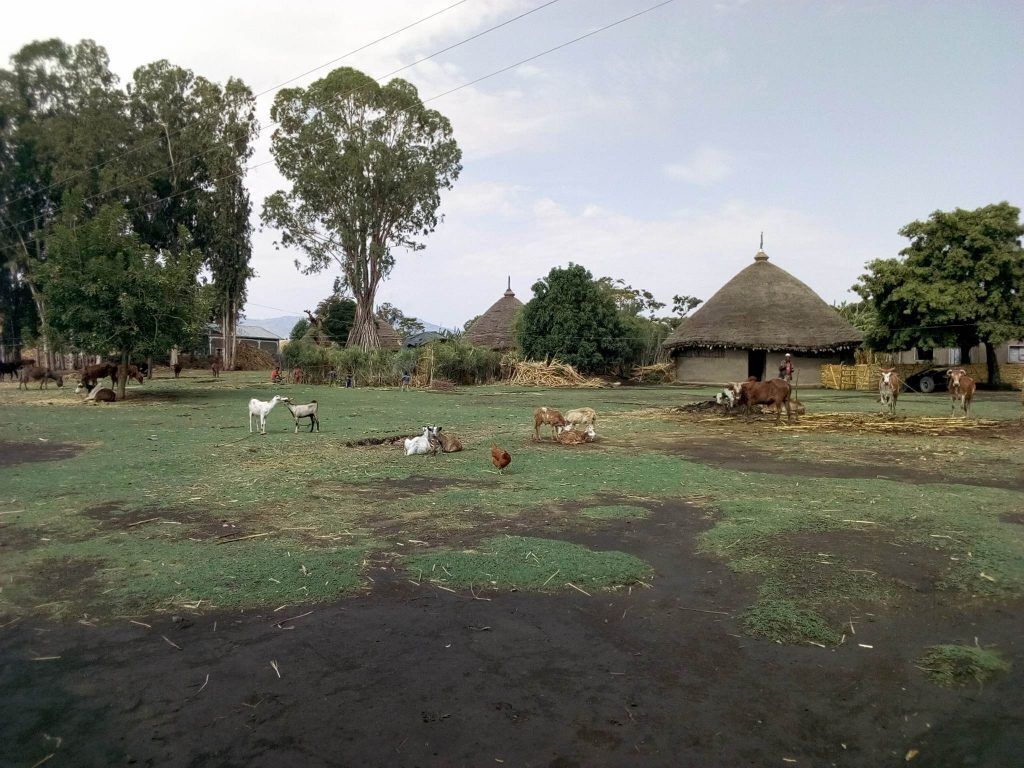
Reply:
x=656, y=151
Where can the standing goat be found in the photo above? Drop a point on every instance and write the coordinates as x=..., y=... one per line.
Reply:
x=261, y=409
x=581, y=417
x=549, y=416
x=303, y=412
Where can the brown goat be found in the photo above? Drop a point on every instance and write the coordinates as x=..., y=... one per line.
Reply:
x=549, y=416
x=449, y=443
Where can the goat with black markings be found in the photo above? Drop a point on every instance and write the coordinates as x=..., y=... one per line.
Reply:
x=307, y=411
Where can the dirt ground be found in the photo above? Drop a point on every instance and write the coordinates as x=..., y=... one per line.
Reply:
x=22, y=453
x=407, y=675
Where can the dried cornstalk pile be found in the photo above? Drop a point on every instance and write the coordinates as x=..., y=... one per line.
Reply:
x=658, y=373
x=528, y=373
x=249, y=358
x=846, y=423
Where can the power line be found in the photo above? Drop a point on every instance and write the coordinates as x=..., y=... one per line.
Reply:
x=432, y=98
x=256, y=96
x=262, y=126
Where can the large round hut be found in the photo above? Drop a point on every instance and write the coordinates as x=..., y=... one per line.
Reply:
x=494, y=328
x=747, y=327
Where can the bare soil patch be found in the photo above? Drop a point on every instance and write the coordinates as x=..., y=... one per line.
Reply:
x=1013, y=517
x=15, y=538
x=407, y=675
x=113, y=516
x=911, y=566
x=22, y=453
x=881, y=465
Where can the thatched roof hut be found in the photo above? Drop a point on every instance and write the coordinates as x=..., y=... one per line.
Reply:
x=762, y=309
x=494, y=328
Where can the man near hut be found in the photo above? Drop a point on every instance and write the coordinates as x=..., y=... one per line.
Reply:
x=786, y=367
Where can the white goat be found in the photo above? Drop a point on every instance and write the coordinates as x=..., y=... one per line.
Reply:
x=303, y=412
x=262, y=409
x=422, y=444
x=580, y=417
x=730, y=394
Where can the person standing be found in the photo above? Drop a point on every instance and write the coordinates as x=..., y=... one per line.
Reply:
x=786, y=368
x=406, y=378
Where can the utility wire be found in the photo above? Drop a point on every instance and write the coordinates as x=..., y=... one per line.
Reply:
x=256, y=96
x=262, y=126
x=432, y=98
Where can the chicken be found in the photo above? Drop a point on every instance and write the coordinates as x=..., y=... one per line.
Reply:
x=500, y=458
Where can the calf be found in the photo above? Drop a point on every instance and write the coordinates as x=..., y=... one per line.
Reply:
x=177, y=370
x=216, y=367
x=889, y=387
x=12, y=368
x=40, y=374
x=774, y=393
x=961, y=390
x=133, y=373
x=549, y=416
x=91, y=374
x=730, y=393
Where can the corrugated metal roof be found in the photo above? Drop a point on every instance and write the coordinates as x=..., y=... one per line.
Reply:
x=249, y=332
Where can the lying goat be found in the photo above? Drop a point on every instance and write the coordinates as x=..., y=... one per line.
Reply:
x=261, y=409
x=99, y=393
x=421, y=445
x=569, y=436
x=303, y=412
x=448, y=443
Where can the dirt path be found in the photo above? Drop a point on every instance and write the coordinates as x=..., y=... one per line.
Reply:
x=413, y=676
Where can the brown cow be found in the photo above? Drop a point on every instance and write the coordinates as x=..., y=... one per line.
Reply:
x=133, y=373
x=961, y=389
x=889, y=387
x=774, y=392
x=93, y=373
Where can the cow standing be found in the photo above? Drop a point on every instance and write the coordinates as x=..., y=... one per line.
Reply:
x=774, y=393
x=961, y=390
x=889, y=387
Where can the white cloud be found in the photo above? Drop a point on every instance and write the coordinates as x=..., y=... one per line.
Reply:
x=707, y=165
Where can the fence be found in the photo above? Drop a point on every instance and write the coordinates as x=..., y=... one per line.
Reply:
x=865, y=376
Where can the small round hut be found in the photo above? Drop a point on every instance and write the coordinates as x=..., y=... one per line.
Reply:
x=751, y=322
x=494, y=328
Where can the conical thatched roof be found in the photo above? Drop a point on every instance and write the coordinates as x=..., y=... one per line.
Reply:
x=389, y=338
x=765, y=307
x=493, y=329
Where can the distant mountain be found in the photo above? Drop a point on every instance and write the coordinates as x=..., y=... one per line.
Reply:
x=282, y=326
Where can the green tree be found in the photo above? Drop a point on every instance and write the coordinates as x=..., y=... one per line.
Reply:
x=106, y=290
x=574, y=318
x=337, y=313
x=299, y=330
x=958, y=283
x=367, y=163
x=61, y=114
x=406, y=325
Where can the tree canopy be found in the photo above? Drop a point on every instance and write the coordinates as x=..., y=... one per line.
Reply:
x=574, y=318
x=959, y=282
x=366, y=163
x=105, y=289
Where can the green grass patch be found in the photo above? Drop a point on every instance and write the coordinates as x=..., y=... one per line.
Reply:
x=615, y=512
x=529, y=563
x=959, y=665
x=786, y=622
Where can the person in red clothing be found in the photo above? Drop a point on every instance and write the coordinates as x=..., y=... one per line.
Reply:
x=297, y=375
x=275, y=375
x=786, y=368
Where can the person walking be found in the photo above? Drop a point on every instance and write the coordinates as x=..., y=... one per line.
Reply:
x=786, y=368
x=406, y=378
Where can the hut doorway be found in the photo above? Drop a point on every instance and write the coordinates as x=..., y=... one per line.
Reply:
x=757, y=360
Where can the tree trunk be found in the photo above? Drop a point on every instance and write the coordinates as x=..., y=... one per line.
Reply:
x=364, y=328
x=992, y=364
x=122, y=374
x=965, y=353
x=149, y=366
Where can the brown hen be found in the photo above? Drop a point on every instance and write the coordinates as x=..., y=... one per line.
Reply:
x=500, y=458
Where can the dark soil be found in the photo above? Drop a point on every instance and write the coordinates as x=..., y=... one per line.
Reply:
x=1012, y=517
x=745, y=457
x=407, y=675
x=22, y=453
x=912, y=566
x=113, y=516
x=17, y=538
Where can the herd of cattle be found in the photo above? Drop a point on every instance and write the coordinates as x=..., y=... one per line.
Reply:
x=776, y=394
